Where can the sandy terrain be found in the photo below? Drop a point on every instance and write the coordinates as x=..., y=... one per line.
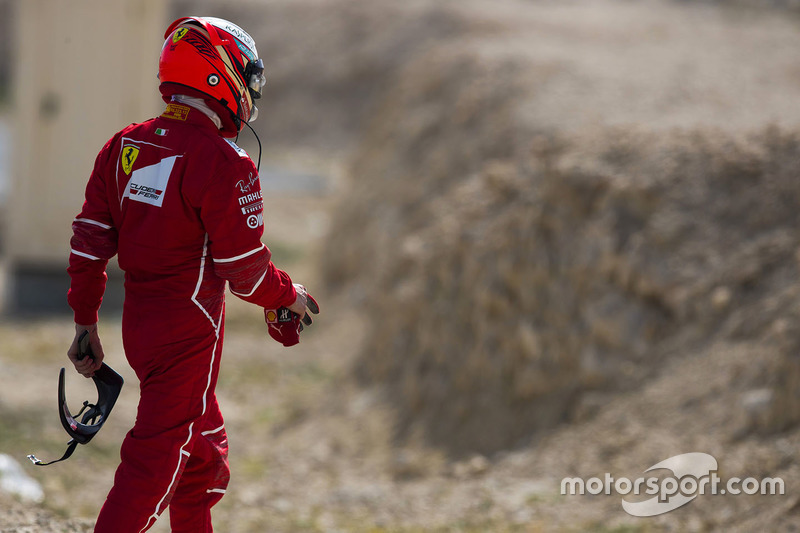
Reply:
x=311, y=449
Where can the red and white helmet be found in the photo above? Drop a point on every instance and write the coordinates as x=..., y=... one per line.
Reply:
x=216, y=60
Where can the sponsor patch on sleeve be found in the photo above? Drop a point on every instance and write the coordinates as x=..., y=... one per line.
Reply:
x=251, y=203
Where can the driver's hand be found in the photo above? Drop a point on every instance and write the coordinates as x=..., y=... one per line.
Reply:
x=88, y=365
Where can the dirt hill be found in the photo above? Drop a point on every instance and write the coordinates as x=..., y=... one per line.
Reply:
x=518, y=266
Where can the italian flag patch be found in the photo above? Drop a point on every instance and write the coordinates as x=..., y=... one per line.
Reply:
x=161, y=131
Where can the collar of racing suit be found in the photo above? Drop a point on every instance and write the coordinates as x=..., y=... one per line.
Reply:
x=200, y=105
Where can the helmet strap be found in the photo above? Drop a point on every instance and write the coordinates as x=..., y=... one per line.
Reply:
x=71, y=445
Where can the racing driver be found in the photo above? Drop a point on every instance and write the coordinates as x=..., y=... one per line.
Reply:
x=180, y=204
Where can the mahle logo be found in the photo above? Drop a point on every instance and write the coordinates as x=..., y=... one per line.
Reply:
x=693, y=474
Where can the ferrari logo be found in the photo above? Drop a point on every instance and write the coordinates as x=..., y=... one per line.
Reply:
x=129, y=155
x=178, y=35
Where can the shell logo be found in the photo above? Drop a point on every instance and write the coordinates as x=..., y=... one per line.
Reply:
x=271, y=316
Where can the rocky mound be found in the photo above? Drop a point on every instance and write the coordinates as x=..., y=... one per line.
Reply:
x=514, y=278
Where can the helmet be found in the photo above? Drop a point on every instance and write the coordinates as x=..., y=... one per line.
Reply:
x=216, y=60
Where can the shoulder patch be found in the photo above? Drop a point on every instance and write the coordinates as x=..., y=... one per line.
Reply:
x=236, y=147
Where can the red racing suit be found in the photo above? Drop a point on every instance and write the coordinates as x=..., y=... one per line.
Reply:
x=181, y=207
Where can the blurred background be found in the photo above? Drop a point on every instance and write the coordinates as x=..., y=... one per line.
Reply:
x=549, y=238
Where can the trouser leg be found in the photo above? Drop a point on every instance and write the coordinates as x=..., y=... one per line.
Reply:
x=173, y=409
x=204, y=478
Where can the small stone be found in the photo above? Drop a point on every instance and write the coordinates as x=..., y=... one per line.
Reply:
x=721, y=297
x=757, y=401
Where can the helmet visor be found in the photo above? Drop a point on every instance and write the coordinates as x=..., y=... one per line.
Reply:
x=254, y=75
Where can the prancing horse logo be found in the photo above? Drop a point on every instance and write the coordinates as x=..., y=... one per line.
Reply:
x=178, y=35
x=129, y=155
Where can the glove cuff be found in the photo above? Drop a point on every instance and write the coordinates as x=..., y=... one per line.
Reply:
x=283, y=325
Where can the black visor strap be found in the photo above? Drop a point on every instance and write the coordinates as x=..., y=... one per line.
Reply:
x=71, y=445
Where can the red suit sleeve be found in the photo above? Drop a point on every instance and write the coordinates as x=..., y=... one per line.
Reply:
x=232, y=213
x=93, y=243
